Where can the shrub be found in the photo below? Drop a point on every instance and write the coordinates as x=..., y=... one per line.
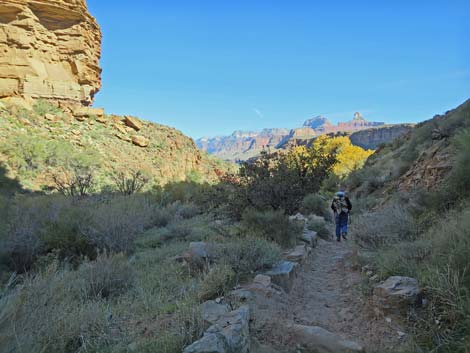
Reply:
x=118, y=221
x=279, y=180
x=271, y=225
x=385, y=226
x=184, y=210
x=42, y=107
x=216, y=282
x=107, y=277
x=248, y=255
x=316, y=204
x=76, y=182
x=47, y=314
x=131, y=182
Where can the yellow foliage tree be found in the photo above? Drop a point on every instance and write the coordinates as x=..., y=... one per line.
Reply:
x=349, y=157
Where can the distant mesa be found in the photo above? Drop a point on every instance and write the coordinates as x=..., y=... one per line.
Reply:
x=317, y=122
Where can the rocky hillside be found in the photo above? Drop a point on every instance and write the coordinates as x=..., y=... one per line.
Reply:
x=418, y=160
x=50, y=49
x=245, y=145
x=38, y=144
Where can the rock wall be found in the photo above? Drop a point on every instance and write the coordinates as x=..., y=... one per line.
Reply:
x=372, y=138
x=49, y=49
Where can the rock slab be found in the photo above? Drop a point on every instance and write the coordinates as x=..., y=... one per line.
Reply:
x=283, y=274
x=397, y=293
x=317, y=339
x=229, y=334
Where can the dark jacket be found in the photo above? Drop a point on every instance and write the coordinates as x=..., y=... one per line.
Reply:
x=348, y=204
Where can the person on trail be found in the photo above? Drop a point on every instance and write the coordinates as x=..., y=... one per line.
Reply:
x=341, y=207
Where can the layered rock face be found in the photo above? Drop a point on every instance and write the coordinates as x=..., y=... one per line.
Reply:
x=372, y=138
x=49, y=49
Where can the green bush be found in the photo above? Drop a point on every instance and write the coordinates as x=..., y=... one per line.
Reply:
x=217, y=282
x=248, y=255
x=47, y=314
x=62, y=233
x=43, y=107
x=117, y=222
x=108, y=276
x=271, y=225
x=385, y=226
x=316, y=204
x=277, y=181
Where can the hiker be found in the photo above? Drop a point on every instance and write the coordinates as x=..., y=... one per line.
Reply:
x=341, y=207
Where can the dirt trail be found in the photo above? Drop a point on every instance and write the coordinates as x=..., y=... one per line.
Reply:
x=327, y=293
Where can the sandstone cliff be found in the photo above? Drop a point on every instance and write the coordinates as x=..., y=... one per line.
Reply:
x=50, y=49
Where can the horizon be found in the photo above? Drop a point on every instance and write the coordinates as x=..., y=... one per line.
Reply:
x=209, y=69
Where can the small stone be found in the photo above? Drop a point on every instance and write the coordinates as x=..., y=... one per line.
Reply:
x=389, y=320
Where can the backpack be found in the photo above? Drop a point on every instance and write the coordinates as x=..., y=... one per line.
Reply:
x=340, y=204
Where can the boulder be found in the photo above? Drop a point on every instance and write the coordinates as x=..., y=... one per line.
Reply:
x=212, y=311
x=120, y=128
x=397, y=293
x=101, y=119
x=242, y=294
x=87, y=112
x=283, y=274
x=123, y=138
x=235, y=328
x=209, y=343
x=133, y=123
x=261, y=285
x=230, y=334
x=262, y=280
x=298, y=254
x=318, y=340
x=309, y=237
x=140, y=141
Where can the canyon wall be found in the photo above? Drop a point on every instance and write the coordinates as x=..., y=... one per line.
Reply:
x=50, y=49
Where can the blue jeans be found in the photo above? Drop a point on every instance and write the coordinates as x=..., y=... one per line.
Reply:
x=341, y=224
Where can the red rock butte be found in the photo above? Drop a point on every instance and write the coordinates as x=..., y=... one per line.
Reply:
x=50, y=49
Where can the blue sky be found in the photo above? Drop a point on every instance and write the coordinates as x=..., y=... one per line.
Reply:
x=211, y=67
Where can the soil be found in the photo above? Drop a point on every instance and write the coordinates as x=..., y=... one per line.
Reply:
x=328, y=292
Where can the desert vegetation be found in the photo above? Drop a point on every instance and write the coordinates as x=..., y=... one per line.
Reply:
x=98, y=262
x=423, y=233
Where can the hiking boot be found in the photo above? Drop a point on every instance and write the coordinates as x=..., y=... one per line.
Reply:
x=344, y=236
x=338, y=238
